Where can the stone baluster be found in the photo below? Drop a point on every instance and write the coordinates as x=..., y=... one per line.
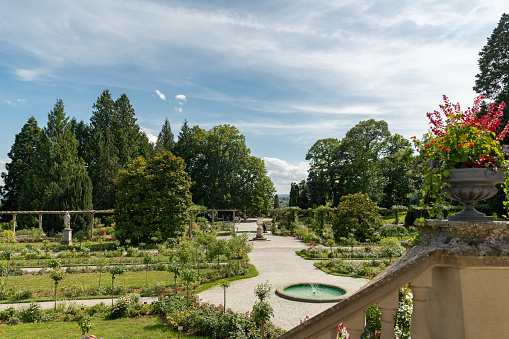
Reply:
x=388, y=306
x=419, y=327
x=355, y=324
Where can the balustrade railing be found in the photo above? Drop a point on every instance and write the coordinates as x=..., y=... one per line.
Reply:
x=415, y=271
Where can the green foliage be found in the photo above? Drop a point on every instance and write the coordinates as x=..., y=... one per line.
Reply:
x=120, y=308
x=224, y=172
x=8, y=236
x=85, y=323
x=357, y=216
x=373, y=322
x=262, y=291
x=152, y=199
x=20, y=154
x=57, y=275
x=165, y=139
x=57, y=178
x=319, y=218
x=80, y=236
x=276, y=201
x=292, y=217
x=111, y=142
x=32, y=314
x=390, y=230
x=403, y=316
x=262, y=312
x=493, y=78
x=390, y=247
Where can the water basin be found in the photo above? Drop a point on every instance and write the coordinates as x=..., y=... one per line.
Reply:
x=312, y=292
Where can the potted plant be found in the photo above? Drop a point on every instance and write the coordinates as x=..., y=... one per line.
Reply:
x=462, y=157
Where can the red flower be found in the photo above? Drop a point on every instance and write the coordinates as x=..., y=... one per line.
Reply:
x=460, y=145
x=471, y=144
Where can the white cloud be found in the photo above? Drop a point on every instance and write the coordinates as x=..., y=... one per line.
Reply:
x=13, y=103
x=178, y=109
x=150, y=134
x=283, y=173
x=161, y=95
x=27, y=74
x=180, y=97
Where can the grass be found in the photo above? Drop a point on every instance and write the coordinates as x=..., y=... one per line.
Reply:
x=131, y=279
x=252, y=273
x=391, y=218
x=145, y=327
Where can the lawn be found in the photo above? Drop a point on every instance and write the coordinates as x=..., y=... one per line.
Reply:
x=144, y=327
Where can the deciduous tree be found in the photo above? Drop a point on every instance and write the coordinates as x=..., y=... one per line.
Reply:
x=152, y=199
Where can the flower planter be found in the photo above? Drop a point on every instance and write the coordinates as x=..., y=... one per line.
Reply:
x=469, y=186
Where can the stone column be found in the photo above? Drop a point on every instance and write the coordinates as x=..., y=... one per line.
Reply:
x=92, y=225
x=40, y=221
x=67, y=232
x=14, y=223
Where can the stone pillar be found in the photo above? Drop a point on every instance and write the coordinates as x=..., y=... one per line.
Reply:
x=92, y=225
x=14, y=224
x=67, y=232
x=40, y=221
x=469, y=295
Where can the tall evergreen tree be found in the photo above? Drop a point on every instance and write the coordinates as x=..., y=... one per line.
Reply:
x=115, y=141
x=57, y=178
x=294, y=195
x=493, y=82
x=20, y=155
x=165, y=140
x=276, y=201
x=493, y=78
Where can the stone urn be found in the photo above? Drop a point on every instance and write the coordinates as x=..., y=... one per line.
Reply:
x=469, y=186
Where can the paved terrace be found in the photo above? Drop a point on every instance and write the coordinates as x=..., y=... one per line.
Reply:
x=278, y=264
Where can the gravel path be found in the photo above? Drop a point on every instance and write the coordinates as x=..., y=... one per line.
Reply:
x=278, y=264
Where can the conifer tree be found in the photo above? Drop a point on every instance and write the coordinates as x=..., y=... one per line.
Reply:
x=57, y=178
x=165, y=140
x=20, y=155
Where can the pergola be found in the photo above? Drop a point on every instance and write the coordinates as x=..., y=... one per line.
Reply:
x=41, y=213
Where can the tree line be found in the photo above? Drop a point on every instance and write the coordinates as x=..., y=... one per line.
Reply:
x=75, y=165
x=369, y=159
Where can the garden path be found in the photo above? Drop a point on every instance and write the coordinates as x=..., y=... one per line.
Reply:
x=278, y=264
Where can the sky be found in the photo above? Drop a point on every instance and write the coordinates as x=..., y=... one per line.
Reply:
x=286, y=73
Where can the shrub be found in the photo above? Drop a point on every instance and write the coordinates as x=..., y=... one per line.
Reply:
x=390, y=247
x=120, y=308
x=32, y=314
x=358, y=216
x=390, y=230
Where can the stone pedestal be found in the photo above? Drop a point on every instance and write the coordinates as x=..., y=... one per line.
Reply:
x=259, y=234
x=67, y=231
x=469, y=297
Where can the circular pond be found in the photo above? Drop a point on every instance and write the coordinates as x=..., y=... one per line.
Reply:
x=312, y=292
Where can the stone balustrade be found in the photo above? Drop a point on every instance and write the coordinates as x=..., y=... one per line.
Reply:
x=457, y=274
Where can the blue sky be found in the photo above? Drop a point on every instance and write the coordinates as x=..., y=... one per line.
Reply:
x=285, y=73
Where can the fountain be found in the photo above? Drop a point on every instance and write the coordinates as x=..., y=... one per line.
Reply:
x=312, y=292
